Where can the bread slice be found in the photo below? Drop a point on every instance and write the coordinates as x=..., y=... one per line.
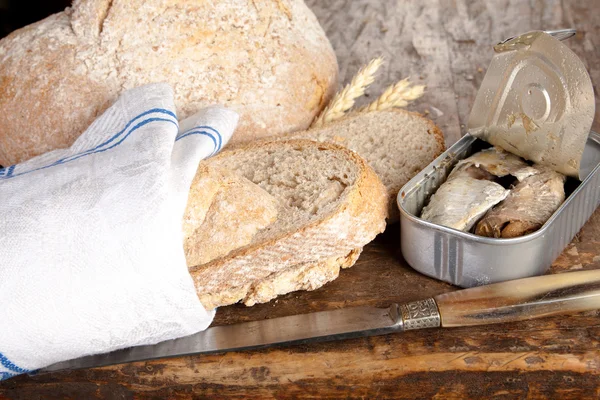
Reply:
x=330, y=203
x=395, y=143
x=306, y=276
x=224, y=211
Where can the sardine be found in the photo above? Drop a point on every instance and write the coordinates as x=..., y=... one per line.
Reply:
x=491, y=163
x=460, y=202
x=527, y=207
x=469, y=192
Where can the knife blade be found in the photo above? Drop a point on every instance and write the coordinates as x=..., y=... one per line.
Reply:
x=497, y=303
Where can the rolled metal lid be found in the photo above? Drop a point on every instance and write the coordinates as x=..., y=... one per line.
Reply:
x=537, y=101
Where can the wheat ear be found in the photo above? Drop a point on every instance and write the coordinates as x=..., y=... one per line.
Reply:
x=397, y=95
x=344, y=100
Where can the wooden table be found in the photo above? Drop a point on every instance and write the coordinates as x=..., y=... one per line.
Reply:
x=446, y=45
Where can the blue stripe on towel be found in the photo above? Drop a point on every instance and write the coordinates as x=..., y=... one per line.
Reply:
x=144, y=122
x=198, y=130
x=6, y=363
x=10, y=171
x=6, y=375
x=7, y=171
x=99, y=149
x=204, y=133
x=116, y=135
x=216, y=132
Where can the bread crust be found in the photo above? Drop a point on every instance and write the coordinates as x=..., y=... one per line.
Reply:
x=269, y=60
x=351, y=225
x=224, y=211
x=307, y=276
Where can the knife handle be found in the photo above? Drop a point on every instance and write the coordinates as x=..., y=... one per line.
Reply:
x=521, y=299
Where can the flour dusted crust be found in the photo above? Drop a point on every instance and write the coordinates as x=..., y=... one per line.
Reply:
x=306, y=276
x=269, y=60
x=224, y=211
x=354, y=222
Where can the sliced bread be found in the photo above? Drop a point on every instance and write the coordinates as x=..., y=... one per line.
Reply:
x=395, y=143
x=330, y=202
x=224, y=211
x=305, y=276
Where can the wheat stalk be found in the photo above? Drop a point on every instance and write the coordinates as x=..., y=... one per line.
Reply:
x=344, y=100
x=397, y=95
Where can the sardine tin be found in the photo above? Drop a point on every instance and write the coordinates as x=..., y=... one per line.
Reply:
x=466, y=259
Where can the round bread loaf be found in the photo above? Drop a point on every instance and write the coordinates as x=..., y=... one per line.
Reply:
x=268, y=60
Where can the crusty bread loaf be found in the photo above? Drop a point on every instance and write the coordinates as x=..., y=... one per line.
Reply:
x=330, y=204
x=268, y=60
x=224, y=211
x=395, y=143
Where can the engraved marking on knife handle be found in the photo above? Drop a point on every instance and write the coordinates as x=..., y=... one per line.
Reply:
x=420, y=314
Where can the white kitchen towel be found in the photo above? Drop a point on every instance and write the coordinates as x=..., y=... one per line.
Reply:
x=91, y=253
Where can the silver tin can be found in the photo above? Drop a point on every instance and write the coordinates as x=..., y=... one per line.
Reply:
x=537, y=101
x=467, y=260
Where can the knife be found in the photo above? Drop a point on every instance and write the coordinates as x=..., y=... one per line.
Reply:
x=509, y=301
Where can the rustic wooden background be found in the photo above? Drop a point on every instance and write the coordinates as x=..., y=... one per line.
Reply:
x=447, y=45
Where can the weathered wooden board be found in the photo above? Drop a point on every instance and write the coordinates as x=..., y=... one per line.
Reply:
x=445, y=44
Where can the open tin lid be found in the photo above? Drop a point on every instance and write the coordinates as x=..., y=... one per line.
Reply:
x=537, y=101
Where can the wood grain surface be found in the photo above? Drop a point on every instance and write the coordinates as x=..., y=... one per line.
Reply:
x=447, y=45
